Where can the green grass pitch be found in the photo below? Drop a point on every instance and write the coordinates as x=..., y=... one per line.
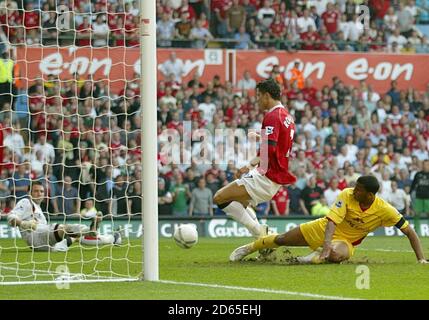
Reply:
x=393, y=273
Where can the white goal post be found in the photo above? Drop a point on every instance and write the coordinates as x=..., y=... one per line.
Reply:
x=149, y=138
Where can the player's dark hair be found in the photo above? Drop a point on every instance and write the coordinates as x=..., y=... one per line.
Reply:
x=370, y=183
x=36, y=183
x=271, y=87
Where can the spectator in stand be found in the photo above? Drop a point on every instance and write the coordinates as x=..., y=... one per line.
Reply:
x=397, y=38
x=320, y=208
x=48, y=151
x=310, y=195
x=305, y=21
x=235, y=17
x=406, y=20
x=399, y=199
x=266, y=15
x=50, y=31
x=247, y=82
x=200, y=36
x=243, y=39
x=420, y=186
x=294, y=195
x=183, y=31
x=330, y=19
x=180, y=193
x=165, y=199
x=296, y=75
x=31, y=19
x=263, y=209
x=20, y=182
x=69, y=201
x=173, y=66
x=280, y=203
x=165, y=30
x=332, y=192
x=120, y=195
x=218, y=21
x=7, y=88
x=100, y=31
x=134, y=196
x=351, y=175
x=381, y=9
x=201, y=200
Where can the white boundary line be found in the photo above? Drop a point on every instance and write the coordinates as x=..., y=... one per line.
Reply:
x=283, y=292
x=53, y=273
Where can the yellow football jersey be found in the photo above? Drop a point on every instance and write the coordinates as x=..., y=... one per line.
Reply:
x=354, y=224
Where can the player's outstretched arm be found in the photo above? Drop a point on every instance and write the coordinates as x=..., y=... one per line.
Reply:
x=327, y=244
x=14, y=221
x=415, y=243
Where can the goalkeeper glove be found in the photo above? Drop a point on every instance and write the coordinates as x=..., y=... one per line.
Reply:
x=29, y=225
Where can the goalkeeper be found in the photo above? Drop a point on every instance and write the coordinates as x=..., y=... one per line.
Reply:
x=35, y=230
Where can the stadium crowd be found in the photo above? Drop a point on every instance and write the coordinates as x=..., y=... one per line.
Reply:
x=241, y=24
x=83, y=142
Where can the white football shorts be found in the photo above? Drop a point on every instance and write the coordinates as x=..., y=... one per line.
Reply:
x=41, y=239
x=259, y=187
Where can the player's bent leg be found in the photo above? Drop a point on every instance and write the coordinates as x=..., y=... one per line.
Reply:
x=75, y=230
x=340, y=251
x=233, y=200
x=232, y=192
x=293, y=237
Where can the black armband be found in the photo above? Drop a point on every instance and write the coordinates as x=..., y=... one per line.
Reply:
x=272, y=143
x=400, y=223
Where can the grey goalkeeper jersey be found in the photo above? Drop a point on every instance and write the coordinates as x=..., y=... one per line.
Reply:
x=27, y=210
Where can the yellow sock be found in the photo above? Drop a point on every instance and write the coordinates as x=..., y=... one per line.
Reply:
x=266, y=242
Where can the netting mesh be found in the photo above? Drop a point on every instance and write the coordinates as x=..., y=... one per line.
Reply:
x=70, y=118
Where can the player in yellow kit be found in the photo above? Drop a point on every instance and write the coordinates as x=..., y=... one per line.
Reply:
x=356, y=212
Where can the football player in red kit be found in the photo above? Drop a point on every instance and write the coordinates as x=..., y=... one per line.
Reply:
x=267, y=172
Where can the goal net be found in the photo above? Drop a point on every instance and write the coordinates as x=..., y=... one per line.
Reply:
x=70, y=119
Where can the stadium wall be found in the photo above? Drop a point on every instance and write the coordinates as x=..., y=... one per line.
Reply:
x=108, y=63
x=213, y=228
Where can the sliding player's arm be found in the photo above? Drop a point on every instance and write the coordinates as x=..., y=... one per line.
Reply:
x=415, y=243
x=327, y=243
x=391, y=218
x=336, y=216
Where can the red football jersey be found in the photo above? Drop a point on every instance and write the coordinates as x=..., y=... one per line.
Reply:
x=281, y=198
x=330, y=18
x=31, y=19
x=278, y=130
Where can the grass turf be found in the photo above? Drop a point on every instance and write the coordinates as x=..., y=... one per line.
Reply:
x=393, y=273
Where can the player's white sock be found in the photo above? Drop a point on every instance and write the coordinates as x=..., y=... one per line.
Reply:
x=252, y=213
x=311, y=258
x=236, y=210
